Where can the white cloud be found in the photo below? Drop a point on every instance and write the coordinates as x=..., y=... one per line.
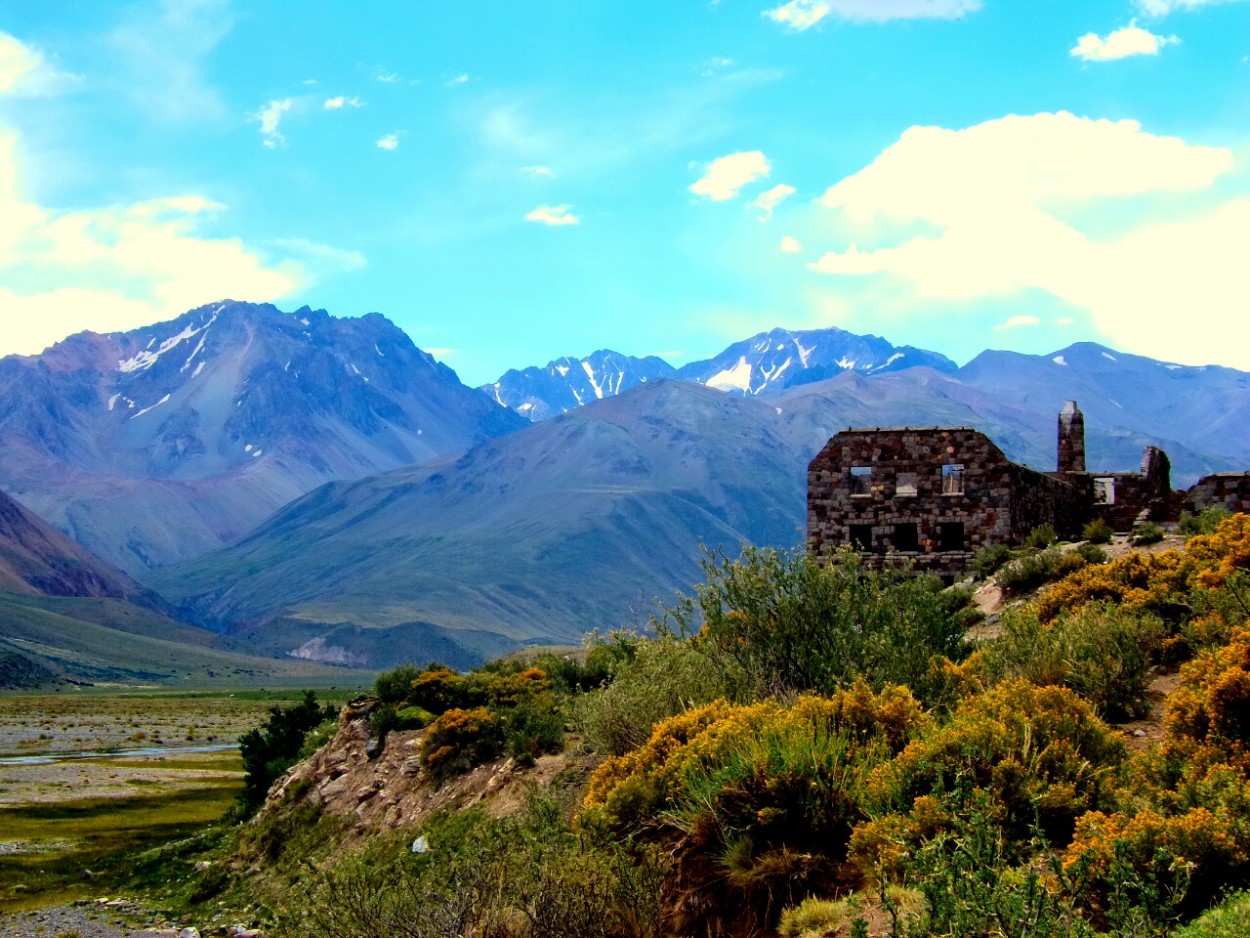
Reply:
x=538, y=171
x=804, y=14
x=988, y=198
x=341, y=101
x=1164, y=7
x=388, y=142
x=799, y=14
x=791, y=245
x=461, y=79
x=387, y=78
x=767, y=201
x=162, y=52
x=554, y=215
x=122, y=266
x=1015, y=322
x=727, y=174
x=1131, y=40
x=270, y=118
x=24, y=72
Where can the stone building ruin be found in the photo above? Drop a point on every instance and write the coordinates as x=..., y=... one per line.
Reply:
x=934, y=496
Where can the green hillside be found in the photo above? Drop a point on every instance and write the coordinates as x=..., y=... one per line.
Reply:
x=111, y=642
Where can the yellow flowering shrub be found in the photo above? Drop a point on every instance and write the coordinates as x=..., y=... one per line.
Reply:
x=627, y=790
x=1147, y=582
x=1040, y=752
x=1156, y=858
x=460, y=739
x=1212, y=705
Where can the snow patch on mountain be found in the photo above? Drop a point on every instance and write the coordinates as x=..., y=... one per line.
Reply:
x=737, y=378
x=146, y=359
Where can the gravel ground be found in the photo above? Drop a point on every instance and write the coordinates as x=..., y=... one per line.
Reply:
x=101, y=918
x=89, y=920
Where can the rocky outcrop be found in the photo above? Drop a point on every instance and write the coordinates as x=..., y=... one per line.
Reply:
x=378, y=783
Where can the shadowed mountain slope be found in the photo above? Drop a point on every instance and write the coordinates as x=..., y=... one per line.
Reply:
x=535, y=537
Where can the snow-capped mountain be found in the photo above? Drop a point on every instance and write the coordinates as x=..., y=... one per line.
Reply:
x=568, y=383
x=761, y=365
x=773, y=361
x=157, y=444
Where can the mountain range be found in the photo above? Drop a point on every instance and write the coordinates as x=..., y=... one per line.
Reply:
x=160, y=444
x=427, y=521
x=767, y=363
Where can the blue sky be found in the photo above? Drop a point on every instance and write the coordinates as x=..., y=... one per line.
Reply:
x=514, y=181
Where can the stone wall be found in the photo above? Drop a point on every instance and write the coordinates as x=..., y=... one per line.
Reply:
x=897, y=495
x=1229, y=490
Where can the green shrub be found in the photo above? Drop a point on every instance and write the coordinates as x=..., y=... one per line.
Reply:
x=1091, y=553
x=1102, y=652
x=989, y=558
x=275, y=746
x=1097, y=532
x=789, y=624
x=660, y=678
x=1204, y=522
x=524, y=876
x=1029, y=571
x=1227, y=920
x=1147, y=533
x=972, y=886
x=532, y=728
x=392, y=687
x=1041, y=537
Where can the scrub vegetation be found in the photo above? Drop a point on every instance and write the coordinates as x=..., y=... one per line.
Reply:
x=810, y=750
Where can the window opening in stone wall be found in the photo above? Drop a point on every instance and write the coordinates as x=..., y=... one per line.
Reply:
x=905, y=484
x=861, y=480
x=861, y=537
x=951, y=535
x=1104, y=491
x=906, y=537
x=953, y=479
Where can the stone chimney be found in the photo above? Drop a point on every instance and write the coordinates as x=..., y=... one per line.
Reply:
x=1071, y=438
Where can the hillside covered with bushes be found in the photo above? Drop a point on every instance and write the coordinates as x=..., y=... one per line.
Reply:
x=801, y=750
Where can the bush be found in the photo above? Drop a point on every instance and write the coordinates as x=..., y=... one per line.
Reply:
x=1039, y=752
x=661, y=678
x=393, y=687
x=532, y=728
x=1212, y=705
x=1041, y=537
x=760, y=798
x=524, y=876
x=275, y=746
x=1026, y=573
x=1097, y=531
x=1227, y=920
x=1158, y=583
x=459, y=740
x=989, y=558
x=1149, y=862
x=1205, y=521
x=1102, y=652
x=790, y=625
x=1090, y=553
x=1147, y=533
